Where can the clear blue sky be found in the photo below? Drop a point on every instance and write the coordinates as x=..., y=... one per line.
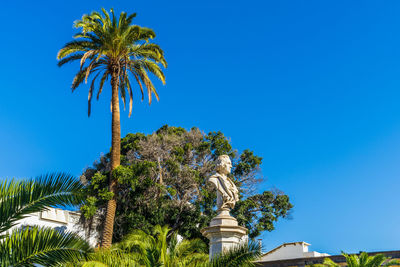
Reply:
x=311, y=86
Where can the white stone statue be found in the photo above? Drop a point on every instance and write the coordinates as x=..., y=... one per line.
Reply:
x=227, y=192
x=224, y=231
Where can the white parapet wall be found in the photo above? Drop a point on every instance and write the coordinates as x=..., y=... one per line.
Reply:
x=294, y=250
x=62, y=220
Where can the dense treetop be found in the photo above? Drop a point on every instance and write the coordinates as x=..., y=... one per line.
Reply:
x=163, y=180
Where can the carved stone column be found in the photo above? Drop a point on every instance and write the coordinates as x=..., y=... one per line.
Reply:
x=224, y=233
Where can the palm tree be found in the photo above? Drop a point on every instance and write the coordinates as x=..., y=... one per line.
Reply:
x=36, y=245
x=362, y=260
x=157, y=250
x=110, y=47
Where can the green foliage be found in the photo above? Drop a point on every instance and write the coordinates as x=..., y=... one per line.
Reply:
x=240, y=256
x=99, y=180
x=362, y=260
x=156, y=249
x=35, y=245
x=248, y=162
x=163, y=181
x=106, y=47
x=161, y=249
x=89, y=209
x=149, y=250
x=219, y=145
x=45, y=246
x=106, y=258
x=20, y=198
x=259, y=212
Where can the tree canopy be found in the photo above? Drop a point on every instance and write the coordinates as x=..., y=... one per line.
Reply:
x=163, y=181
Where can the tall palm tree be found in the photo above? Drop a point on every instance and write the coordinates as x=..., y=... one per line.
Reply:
x=112, y=48
x=362, y=260
x=36, y=245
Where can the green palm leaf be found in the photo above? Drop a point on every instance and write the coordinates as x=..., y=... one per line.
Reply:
x=373, y=261
x=391, y=263
x=239, y=256
x=20, y=198
x=45, y=246
x=327, y=262
x=362, y=260
x=34, y=245
x=106, y=258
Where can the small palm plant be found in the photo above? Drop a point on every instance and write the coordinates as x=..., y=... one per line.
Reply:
x=157, y=250
x=141, y=249
x=37, y=245
x=362, y=260
x=243, y=255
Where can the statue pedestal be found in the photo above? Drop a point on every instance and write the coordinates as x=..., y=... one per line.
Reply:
x=224, y=233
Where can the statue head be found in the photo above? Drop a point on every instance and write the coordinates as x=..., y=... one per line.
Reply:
x=224, y=164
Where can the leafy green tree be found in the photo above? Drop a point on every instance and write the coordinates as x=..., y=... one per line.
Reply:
x=163, y=181
x=36, y=245
x=362, y=260
x=111, y=48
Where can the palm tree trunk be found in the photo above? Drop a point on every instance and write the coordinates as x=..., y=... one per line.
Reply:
x=115, y=160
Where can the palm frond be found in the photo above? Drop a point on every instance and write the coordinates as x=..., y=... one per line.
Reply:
x=20, y=198
x=70, y=58
x=44, y=246
x=148, y=51
x=146, y=34
x=363, y=259
x=187, y=252
x=392, y=263
x=88, y=54
x=122, y=90
x=136, y=242
x=375, y=261
x=110, y=258
x=141, y=72
x=241, y=255
x=75, y=46
x=139, y=82
x=103, y=79
x=329, y=262
x=128, y=83
x=188, y=247
x=91, y=93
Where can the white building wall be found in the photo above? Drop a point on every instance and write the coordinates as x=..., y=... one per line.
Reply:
x=62, y=220
x=291, y=251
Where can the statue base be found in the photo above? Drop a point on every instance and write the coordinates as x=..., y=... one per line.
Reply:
x=224, y=233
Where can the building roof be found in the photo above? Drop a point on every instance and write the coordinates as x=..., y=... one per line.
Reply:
x=286, y=244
